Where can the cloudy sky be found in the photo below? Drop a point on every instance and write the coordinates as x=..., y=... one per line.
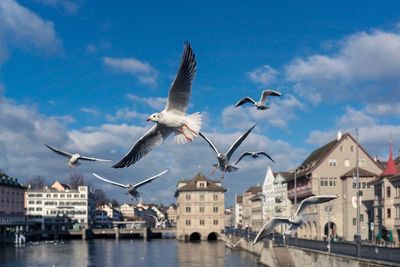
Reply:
x=84, y=75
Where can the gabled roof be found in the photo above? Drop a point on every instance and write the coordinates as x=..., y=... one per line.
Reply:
x=320, y=154
x=6, y=180
x=191, y=185
x=254, y=189
x=362, y=173
x=390, y=168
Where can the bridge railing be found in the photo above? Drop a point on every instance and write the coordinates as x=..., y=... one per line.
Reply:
x=344, y=248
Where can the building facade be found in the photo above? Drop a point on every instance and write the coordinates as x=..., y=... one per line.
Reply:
x=58, y=207
x=325, y=171
x=171, y=215
x=238, y=212
x=127, y=211
x=200, y=209
x=247, y=205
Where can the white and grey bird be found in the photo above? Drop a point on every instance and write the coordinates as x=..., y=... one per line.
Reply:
x=295, y=221
x=259, y=104
x=74, y=158
x=132, y=189
x=254, y=155
x=223, y=158
x=173, y=118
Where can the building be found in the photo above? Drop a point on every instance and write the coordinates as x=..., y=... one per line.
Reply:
x=127, y=211
x=171, y=215
x=282, y=205
x=200, y=209
x=387, y=202
x=269, y=195
x=256, y=217
x=238, y=212
x=59, y=206
x=326, y=171
x=229, y=217
x=113, y=213
x=12, y=211
x=101, y=219
x=247, y=205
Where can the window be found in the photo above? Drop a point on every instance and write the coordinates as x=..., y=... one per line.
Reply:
x=55, y=195
x=362, y=163
x=201, y=222
x=76, y=195
x=187, y=209
x=69, y=195
x=322, y=183
x=347, y=163
x=187, y=196
x=330, y=183
x=354, y=221
x=364, y=185
x=62, y=195
x=352, y=149
x=187, y=222
x=31, y=202
x=39, y=209
x=341, y=148
x=361, y=217
x=334, y=182
x=388, y=213
x=201, y=197
x=354, y=185
x=48, y=195
x=215, y=197
x=215, y=222
x=388, y=191
x=215, y=209
x=326, y=183
x=201, y=209
x=39, y=202
x=332, y=163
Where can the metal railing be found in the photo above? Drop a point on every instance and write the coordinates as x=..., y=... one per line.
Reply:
x=345, y=248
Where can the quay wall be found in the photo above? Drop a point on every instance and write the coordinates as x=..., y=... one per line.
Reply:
x=279, y=256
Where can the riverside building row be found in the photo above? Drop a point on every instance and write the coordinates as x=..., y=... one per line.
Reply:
x=330, y=169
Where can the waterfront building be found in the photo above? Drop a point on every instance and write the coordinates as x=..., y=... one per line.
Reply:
x=229, y=217
x=59, y=206
x=282, y=206
x=269, y=195
x=247, y=205
x=256, y=217
x=127, y=211
x=171, y=215
x=113, y=213
x=200, y=209
x=387, y=202
x=238, y=212
x=101, y=219
x=328, y=170
x=12, y=211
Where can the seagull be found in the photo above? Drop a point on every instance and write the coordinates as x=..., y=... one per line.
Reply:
x=260, y=104
x=173, y=118
x=254, y=155
x=295, y=221
x=132, y=189
x=74, y=158
x=223, y=158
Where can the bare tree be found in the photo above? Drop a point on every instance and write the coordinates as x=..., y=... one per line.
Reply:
x=100, y=197
x=76, y=179
x=114, y=203
x=37, y=182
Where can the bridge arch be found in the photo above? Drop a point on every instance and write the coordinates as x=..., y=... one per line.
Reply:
x=332, y=230
x=212, y=236
x=195, y=236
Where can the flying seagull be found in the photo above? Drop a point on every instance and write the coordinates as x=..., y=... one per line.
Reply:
x=295, y=221
x=223, y=158
x=74, y=158
x=173, y=118
x=260, y=104
x=254, y=155
x=132, y=189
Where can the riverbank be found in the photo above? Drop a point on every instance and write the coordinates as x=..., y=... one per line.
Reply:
x=277, y=255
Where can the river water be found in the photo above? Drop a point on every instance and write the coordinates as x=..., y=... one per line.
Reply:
x=110, y=252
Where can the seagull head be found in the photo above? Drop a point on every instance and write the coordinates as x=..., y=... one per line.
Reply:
x=154, y=117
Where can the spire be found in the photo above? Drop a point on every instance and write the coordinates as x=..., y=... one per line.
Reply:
x=390, y=166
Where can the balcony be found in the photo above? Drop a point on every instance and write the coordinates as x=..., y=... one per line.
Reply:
x=278, y=199
x=303, y=191
x=278, y=209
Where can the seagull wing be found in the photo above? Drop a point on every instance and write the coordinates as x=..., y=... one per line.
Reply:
x=267, y=93
x=265, y=154
x=153, y=138
x=242, y=156
x=109, y=181
x=148, y=180
x=59, y=152
x=245, y=100
x=181, y=88
x=312, y=201
x=209, y=142
x=238, y=142
x=93, y=159
x=269, y=227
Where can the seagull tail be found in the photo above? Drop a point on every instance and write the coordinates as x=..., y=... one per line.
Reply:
x=190, y=130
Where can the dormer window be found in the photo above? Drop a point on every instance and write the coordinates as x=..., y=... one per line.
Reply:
x=332, y=163
x=201, y=184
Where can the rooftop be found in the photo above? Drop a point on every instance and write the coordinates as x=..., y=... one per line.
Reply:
x=191, y=185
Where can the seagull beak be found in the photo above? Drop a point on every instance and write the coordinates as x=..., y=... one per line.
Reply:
x=148, y=119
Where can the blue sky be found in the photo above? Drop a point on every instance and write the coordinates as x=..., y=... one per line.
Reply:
x=83, y=76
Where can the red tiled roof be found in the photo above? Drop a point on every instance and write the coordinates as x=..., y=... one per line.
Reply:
x=390, y=165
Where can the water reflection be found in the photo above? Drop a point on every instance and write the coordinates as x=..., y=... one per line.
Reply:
x=109, y=252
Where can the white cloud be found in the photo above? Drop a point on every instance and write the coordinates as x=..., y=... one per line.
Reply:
x=92, y=111
x=126, y=114
x=282, y=110
x=364, y=68
x=264, y=75
x=143, y=71
x=354, y=119
x=70, y=7
x=25, y=29
x=384, y=110
x=101, y=45
x=157, y=103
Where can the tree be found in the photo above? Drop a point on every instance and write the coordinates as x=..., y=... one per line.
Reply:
x=76, y=179
x=100, y=197
x=114, y=203
x=37, y=182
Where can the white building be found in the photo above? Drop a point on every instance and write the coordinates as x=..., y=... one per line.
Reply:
x=112, y=213
x=238, y=212
x=269, y=195
x=59, y=206
x=127, y=211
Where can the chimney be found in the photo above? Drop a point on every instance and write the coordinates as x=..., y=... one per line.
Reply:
x=339, y=135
